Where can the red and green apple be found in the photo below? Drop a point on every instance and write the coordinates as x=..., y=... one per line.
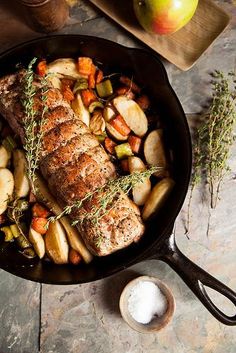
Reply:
x=164, y=16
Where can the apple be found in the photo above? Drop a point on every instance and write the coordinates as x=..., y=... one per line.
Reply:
x=164, y=16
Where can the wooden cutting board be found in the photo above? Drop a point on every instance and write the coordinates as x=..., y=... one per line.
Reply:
x=182, y=48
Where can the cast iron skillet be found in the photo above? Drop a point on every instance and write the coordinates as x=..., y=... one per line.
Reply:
x=158, y=241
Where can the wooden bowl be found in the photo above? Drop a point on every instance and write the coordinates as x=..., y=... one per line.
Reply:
x=157, y=323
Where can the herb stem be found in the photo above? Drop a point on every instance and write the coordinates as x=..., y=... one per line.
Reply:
x=33, y=121
x=106, y=196
x=214, y=139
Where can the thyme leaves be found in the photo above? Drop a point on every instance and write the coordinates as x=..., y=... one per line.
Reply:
x=105, y=197
x=214, y=139
x=33, y=125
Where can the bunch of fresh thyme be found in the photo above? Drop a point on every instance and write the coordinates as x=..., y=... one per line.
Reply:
x=106, y=196
x=33, y=126
x=214, y=138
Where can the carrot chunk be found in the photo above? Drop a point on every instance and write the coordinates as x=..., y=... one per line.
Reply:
x=129, y=83
x=135, y=143
x=143, y=101
x=120, y=125
x=67, y=82
x=91, y=81
x=88, y=96
x=109, y=145
x=41, y=68
x=124, y=165
x=74, y=257
x=85, y=66
x=39, y=211
x=99, y=76
x=67, y=93
x=125, y=91
x=39, y=224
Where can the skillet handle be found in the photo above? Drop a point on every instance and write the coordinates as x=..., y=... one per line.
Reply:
x=196, y=278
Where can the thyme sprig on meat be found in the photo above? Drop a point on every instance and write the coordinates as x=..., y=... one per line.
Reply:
x=214, y=138
x=105, y=197
x=32, y=122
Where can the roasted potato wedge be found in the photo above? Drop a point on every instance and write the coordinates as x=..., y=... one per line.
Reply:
x=154, y=151
x=6, y=188
x=142, y=190
x=55, y=81
x=157, y=197
x=37, y=241
x=136, y=164
x=133, y=115
x=97, y=123
x=108, y=113
x=64, y=67
x=80, y=110
x=4, y=157
x=56, y=244
x=114, y=133
x=22, y=185
x=73, y=235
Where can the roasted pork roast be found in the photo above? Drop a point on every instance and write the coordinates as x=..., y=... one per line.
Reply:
x=74, y=163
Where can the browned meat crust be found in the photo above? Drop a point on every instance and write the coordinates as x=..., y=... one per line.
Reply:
x=73, y=163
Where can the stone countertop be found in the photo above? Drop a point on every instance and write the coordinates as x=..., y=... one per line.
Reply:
x=85, y=318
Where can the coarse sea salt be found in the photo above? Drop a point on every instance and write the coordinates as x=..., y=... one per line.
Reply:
x=146, y=301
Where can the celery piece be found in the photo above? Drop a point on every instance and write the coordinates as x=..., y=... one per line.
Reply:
x=15, y=230
x=95, y=105
x=101, y=138
x=104, y=88
x=81, y=83
x=9, y=143
x=29, y=252
x=8, y=233
x=123, y=151
x=23, y=242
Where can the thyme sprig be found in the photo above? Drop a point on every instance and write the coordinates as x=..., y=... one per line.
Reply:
x=214, y=138
x=33, y=126
x=15, y=213
x=105, y=197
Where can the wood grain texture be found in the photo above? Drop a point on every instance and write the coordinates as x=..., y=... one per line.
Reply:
x=182, y=48
x=19, y=315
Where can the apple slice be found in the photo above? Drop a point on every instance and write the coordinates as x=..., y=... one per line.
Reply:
x=6, y=188
x=154, y=151
x=141, y=190
x=133, y=115
x=64, y=67
x=4, y=157
x=37, y=241
x=157, y=197
x=114, y=133
x=80, y=110
x=22, y=185
x=56, y=244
